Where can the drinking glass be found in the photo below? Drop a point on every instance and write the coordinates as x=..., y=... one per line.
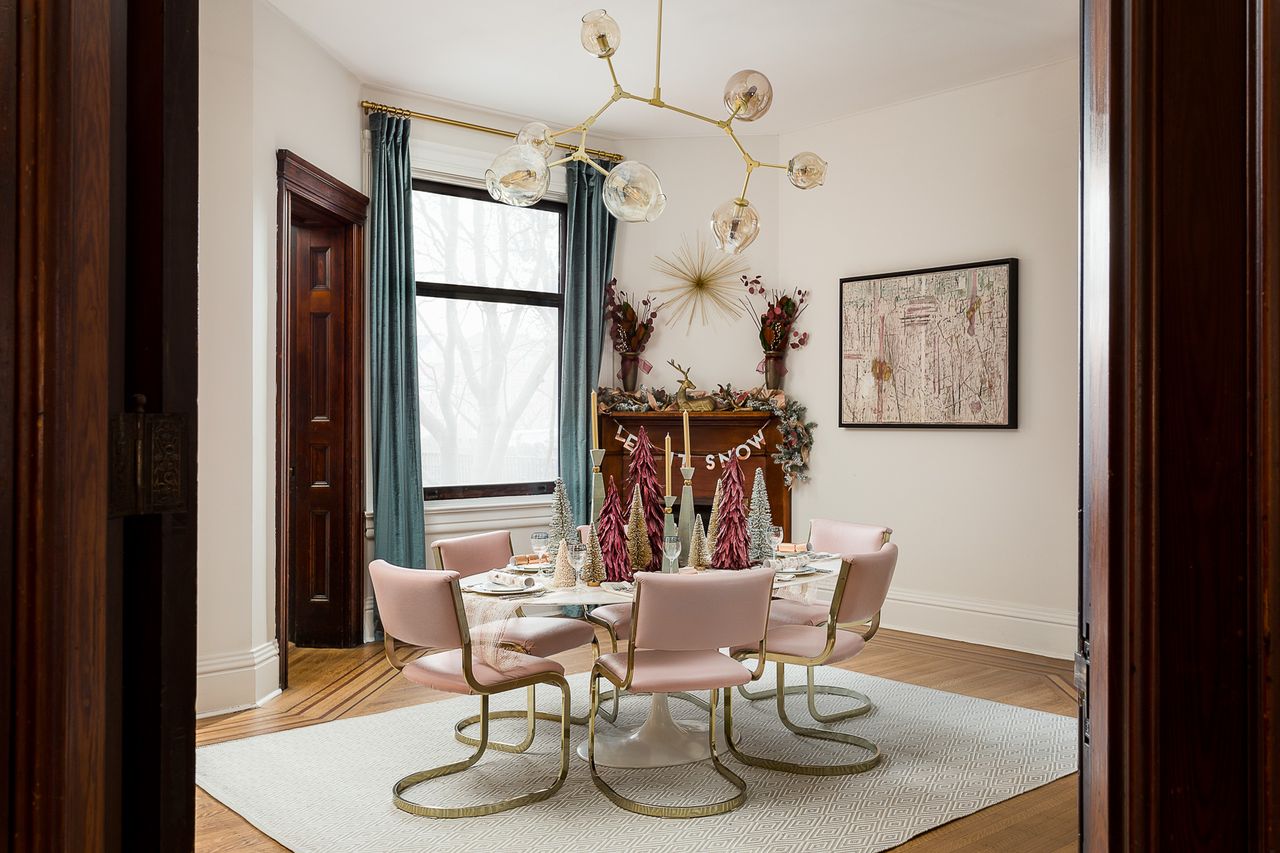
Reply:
x=775, y=539
x=577, y=557
x=671, y=547
x=540, y=542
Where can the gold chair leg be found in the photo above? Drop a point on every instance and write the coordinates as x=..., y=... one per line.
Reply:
x=813, y=691
x=823, y=734
x=531, y=714
x=457, y=767
x=595, y=647
x=652, y=809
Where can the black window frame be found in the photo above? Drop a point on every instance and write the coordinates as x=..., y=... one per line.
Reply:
x=480, y=293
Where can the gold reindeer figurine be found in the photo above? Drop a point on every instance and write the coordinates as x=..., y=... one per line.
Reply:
x=683, y=402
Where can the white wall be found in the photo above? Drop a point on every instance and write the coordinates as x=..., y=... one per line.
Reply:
x=986, y=519
x=263, y=86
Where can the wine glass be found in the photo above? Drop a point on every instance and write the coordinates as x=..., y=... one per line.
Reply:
x=540, y=542
x=671, y=547
x=577, y=557
x=775, y=539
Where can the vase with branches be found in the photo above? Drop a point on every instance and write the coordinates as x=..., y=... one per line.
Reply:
x=776, y=325
x=630, y=327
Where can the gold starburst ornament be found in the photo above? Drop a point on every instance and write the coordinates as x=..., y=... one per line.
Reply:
x=706, y=283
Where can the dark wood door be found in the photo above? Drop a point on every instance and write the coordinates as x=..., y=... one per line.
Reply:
x=319, y=547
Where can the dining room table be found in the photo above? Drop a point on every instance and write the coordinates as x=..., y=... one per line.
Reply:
x=661, y=740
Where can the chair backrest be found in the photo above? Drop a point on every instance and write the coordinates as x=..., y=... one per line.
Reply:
x=702, y=611
x=865, y=579
x=471, y=555
x=418, y=606
x=584, y=533
x=846, y=537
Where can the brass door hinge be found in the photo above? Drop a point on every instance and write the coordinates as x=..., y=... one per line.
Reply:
x=148, y=459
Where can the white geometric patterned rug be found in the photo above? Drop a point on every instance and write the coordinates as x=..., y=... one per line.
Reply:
x=327, y=788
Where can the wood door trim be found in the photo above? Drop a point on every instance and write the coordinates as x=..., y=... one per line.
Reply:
x=1179, y=455
x=301, y=185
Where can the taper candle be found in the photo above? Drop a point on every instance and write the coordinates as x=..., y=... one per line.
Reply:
x=668, y=464
x=686, y=437
x=595, y=425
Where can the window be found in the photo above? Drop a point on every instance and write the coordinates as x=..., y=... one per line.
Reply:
x=490, y=290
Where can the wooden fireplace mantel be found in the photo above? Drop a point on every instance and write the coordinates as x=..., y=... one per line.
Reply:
x=754, y=436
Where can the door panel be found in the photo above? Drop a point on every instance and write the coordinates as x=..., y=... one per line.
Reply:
x=318, y=436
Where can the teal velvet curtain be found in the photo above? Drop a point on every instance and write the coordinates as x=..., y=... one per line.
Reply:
x=588, y=266
x=398, y=535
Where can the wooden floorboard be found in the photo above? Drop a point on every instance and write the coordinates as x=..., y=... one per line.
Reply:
x=329, y=684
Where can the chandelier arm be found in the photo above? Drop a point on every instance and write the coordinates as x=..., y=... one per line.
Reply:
x=613, y=73
x=657, y=66
x=746, y=182
x=751, y=161
x=772, y=166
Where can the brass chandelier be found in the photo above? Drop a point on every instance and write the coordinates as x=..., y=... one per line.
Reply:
x=521, y=174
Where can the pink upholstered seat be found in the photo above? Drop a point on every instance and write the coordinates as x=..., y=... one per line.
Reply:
x=537, y=635
x=805, y=641
x=846, y=537
x=787, y=612
x=681, y=623
x=443, y=671
x=471, y=555
x=677, y=672
x=617, y=616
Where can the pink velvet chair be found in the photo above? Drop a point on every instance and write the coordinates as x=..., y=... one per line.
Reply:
x=424, y=608
x=531, y=635
x=678, y=626
x=860, y=592
x=838, y=537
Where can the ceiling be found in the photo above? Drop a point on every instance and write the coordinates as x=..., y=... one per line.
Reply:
x=825, y=58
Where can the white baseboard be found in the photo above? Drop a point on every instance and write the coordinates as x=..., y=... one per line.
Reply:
x=237, y=680
x=1024, y=628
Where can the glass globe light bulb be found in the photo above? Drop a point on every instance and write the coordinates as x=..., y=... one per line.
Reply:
x=601, y=34
x=806, y=170
x=748, y=95
x=735, y=225
x=537, y=134
x=518, y=176
x=632, y=192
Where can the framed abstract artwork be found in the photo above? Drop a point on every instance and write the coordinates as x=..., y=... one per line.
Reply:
x=931, y=348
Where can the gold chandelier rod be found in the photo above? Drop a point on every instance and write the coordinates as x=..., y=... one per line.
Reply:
x=580, y=150
x=373, y=106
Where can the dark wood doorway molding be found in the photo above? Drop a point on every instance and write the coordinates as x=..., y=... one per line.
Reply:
x=307, y=195
x=1181, y=384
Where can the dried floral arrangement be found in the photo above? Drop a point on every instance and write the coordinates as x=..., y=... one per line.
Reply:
x=781, y=311
x=630, y=321
x=797, y=432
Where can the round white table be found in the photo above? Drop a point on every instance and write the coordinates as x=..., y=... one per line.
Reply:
x=661, y=740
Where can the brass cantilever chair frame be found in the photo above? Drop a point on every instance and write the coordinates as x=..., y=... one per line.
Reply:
x=781, y=696
x=651, y=809
x=812, y=690
x=483, y=742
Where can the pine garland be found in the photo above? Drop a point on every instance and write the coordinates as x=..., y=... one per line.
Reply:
x=731, y=536
x=564, y=575
x=639, y=552
x=562, y=527
x=643, y=473
x=593, y=568
x=713, y=523
x=759, y=520
x=699, y=555
x=613, y=537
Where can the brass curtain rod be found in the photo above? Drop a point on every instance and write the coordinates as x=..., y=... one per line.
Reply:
x=370, y=106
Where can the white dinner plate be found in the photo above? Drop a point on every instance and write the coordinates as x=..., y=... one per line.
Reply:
x=487, y=588
x=528, y=568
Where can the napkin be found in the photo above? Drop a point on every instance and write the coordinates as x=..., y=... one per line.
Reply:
x=497, y=577
x=793, y=547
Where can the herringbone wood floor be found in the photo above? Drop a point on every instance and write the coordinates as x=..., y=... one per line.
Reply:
x=330, y=684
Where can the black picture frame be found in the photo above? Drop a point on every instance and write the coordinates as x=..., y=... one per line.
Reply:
x=1012, y=347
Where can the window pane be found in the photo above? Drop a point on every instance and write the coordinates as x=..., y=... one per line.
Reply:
x=487, y=377
x=467, y=241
